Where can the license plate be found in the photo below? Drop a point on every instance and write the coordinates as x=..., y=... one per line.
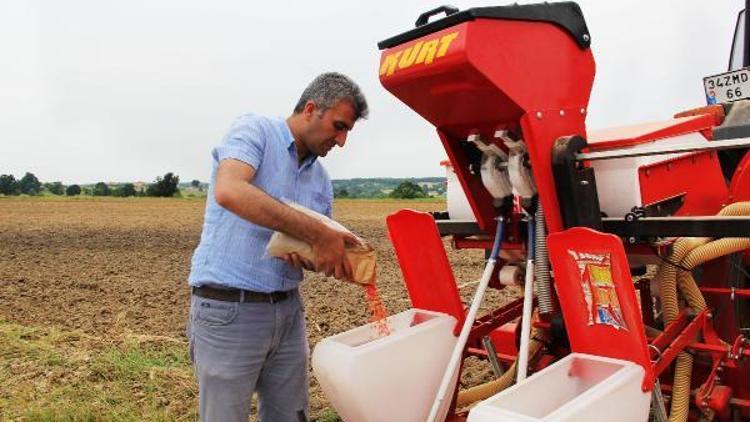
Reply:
x=727, y=87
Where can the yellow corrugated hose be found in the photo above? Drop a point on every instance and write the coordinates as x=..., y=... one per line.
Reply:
x=688, y=253
x=667, y=279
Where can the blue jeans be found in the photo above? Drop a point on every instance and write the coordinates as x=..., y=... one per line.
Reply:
x=241, y=348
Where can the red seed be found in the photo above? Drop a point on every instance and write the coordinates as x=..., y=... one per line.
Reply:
x=378, y=310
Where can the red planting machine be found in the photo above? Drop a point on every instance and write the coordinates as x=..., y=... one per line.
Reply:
x=631, y=243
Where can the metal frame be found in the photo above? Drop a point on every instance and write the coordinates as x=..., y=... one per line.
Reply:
x=656, y=149
x=453, y=93
x=640, y=229
x=675, y=338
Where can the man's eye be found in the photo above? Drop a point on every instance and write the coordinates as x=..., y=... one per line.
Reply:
x=339, y=126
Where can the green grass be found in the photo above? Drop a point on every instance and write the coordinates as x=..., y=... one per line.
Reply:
x=54, y=375
x=48, y=374
x=328, y=415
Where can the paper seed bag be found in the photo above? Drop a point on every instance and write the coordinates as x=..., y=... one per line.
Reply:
x=362, y=258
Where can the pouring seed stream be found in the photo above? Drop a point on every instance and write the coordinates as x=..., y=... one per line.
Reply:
x=377, y=310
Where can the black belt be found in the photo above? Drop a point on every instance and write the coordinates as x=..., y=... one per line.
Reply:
x=238, y=295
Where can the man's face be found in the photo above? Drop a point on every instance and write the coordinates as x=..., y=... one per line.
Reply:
x=326, y=129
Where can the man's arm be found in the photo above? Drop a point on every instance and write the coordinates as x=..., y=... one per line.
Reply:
x=234, y=192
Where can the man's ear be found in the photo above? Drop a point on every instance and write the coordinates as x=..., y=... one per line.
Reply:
x=309, y=110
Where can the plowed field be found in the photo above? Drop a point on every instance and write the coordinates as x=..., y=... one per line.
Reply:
x=105, y=269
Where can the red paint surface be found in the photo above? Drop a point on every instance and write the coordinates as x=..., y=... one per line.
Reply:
x=528, y=77
x=597, y=338
x=424, y=264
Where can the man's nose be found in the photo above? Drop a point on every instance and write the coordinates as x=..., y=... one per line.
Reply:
x=341, y=138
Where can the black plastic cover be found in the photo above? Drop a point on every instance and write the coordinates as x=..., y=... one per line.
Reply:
x=575, y=184
x=566, y=15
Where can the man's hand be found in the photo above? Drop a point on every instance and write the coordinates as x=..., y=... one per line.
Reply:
x=297, y=261
x=329, y=252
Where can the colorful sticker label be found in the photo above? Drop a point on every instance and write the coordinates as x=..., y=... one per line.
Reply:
x=599, y=289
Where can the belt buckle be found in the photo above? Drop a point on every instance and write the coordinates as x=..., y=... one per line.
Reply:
x=272, y=297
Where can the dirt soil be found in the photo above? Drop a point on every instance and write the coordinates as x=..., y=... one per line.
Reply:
x=113, y=265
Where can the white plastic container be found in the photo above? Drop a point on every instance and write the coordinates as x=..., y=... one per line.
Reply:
x=578, y=388
x=617, y=182
x=458, y=204
x=391, y=378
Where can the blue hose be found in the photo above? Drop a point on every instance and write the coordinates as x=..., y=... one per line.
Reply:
x=499, y=233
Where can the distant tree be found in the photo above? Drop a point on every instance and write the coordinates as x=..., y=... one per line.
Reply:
x=355, y=192
x=73, y=190
x=164, y=186
x=408, y=190
x=55, y=188
x=9, y=185
x=29, y=184
x=101, y=189
x=128, y=189
x=341, y=193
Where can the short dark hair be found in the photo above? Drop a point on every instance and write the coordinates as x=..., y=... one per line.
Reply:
x=331, y=87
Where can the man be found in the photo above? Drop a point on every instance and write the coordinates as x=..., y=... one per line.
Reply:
x=247, y=329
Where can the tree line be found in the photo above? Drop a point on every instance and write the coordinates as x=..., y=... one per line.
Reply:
x=424, y=187
x=29, y=184
x=169, y=185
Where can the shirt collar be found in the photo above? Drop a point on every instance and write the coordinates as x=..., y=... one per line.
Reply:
x=292, y=147
x=286, y=132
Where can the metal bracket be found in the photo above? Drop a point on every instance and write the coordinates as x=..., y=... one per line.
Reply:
x=576, y=185
x=664, y=207
x=640, y=228
x=497, y=369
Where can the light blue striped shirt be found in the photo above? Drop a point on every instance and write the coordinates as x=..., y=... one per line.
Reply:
x=231, y=251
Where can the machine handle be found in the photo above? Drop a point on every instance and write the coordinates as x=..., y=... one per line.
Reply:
x=425, y=17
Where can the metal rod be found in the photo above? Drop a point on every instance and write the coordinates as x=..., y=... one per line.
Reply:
x=481, y=353
x=528, y=304
x=725, y=291
x=658, y=149
x=739, y=402
x=693, y=226
x=713, y=348
x=670, y=331
x=680, y=342
x=455, y=359
x=497, y=369
x=485, y=324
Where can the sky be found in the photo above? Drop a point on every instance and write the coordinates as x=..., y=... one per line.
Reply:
x=120, y=91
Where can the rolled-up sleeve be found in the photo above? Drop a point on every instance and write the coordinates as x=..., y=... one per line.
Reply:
x=244, y=142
